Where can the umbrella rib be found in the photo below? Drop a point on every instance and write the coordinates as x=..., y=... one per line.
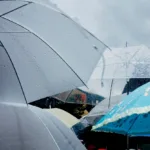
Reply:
x=133, y=123
x=49, y=47
x=87, y=31
x=15, y=9
x=15, y=72
x=68, y=96
x=46, y=128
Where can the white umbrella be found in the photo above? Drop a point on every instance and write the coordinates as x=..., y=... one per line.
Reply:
x=47, y=51
x=25, y=127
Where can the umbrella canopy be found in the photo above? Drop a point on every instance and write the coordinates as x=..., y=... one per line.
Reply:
x=120, y=65
x=101, y=109
x=25, y=127
x=42, y=45
x=68, y=119
x=79, y=96
x=131, y=116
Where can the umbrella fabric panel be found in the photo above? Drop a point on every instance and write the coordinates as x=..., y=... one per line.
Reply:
x=133, y=70
x=7, y=26
x=30, y=128
x=44, y=68
x=83, y=97
x=141, y=126
x=64, y=137
x=6, y=6
x=79, y=96
x=134, y=125
x=64, y=116
x=103, y=87
x=92, y=98
x=63, y=96
x=91, y=119
x=21, y=129
x=103, y=106
x=10, y=89
x=132, y=62
x=46, y=3
x=121, y=126
x=61, y=33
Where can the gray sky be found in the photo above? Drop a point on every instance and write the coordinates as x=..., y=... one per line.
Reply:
x=112, y=21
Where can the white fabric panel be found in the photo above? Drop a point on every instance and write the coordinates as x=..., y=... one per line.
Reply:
x=6, y=6
x=62, y=34
x=41, y=72
x=10, y=90
x=7, y=26
x=31, y=128
x=46, y=3
x=68, y=119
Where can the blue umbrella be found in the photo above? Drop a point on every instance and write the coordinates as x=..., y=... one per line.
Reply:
x=130, y=117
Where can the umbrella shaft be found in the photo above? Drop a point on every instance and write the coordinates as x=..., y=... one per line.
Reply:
x=128, y=147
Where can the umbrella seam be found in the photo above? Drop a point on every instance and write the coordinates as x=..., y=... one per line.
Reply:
x=68, y=96
x=132, y=124
x=46, y=128
x=15, y=72
x=15, y=9
x=48, y=46
x=14, y=32
x=86, y=31
x=106, y=46
x=69, y=142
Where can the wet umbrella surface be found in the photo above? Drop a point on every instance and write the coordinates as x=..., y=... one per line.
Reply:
x=39, y=48
x=130, y=117
x=25, y=127
x=44, y=45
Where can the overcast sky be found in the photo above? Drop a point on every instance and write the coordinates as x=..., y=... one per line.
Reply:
x=112, y=21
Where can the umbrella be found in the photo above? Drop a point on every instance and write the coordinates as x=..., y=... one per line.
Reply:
x=79, y=96
x=25, y=127
x=101, y=109
x=130, y=117
x=42, y=46
x=117, y=70
x=69, y=120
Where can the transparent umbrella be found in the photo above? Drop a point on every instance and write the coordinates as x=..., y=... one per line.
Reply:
x=121, y=70
x=78, y=96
